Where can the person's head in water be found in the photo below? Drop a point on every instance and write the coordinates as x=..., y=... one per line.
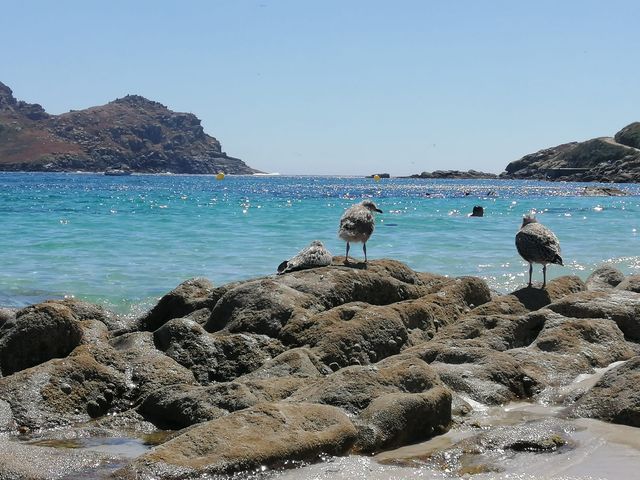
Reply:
x=478, y=211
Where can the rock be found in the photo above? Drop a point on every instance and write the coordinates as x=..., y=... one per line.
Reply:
x=486, y=451
x=179, y=406
x=214, y=357
x=603, y=192
x=144, y=135
x=618, y=305
x=630, y=284
x=485, y=375
x=186, y=298
x=615, y=397
x=148, y=369
x=398, y=419
x=39, y=333
x=20, y=461
x=456, y=174
x=629, y=135
x=604, y=277
x=265, y=306
x=603, y=159
x=354, y=388
x=7, y=315
x=265, y=435
x=62, y=392
x=354, y=333
x=535, y=298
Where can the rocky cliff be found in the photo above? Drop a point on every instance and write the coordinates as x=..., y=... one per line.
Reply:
x=603, y=159
x=139, y=134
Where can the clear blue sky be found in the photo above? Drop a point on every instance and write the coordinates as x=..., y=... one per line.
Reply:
x=342, y=86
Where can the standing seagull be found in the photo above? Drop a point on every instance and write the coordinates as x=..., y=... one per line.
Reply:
x=357, y=224
x=537, y=244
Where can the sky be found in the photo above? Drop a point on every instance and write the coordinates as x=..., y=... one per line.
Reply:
x=342, y=87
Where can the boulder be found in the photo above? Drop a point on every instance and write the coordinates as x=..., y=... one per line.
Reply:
x=268, y=434
x=483, y=374
x=191, y=295
x=354, y=388
x=398, y=419
x=147, y=368
x=39, y=333
x=630, y=284
x=214, y=357
x=604, y=277
x=536, y=298
x=179, y=406
x=265, y=306
x=615, y=397
x=621, y=306
x=62, y=392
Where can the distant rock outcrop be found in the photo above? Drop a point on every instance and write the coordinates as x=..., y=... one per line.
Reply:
x=455, y=174
x=134, y=133
x=603, y=159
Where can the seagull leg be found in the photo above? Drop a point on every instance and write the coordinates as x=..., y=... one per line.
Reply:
x=364, y=249
x=346, y=257
x=544, y=275
x=530, y=273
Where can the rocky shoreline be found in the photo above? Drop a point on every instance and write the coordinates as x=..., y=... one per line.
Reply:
x=334, y=360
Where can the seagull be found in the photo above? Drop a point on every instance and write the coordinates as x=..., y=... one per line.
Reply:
x=537, y=244
x=315, y=255
x=357, y=224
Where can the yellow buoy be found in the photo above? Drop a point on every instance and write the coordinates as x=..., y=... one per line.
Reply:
x=220, y=176
x=376, y=178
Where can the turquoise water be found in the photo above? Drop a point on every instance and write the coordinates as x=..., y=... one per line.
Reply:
x=125, y=241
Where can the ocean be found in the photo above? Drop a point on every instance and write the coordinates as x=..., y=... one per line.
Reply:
x=125, y=241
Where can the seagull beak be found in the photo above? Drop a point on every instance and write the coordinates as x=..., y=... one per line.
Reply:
x=378, y=210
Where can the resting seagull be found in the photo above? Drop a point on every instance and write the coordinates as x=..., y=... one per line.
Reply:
x=357, y=224
x=537, y=244
x=315, y=255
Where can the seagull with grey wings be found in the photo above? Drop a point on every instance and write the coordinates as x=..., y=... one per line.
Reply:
x=357, y=224
x=537, y=244
x=313, y=256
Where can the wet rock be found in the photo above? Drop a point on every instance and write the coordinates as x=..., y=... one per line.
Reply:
x=264, y=435
x=615, y=397
x=214, y=357
x=355, y=333
x=599, y=340
x=147, y=368
x=354, y=388
x=19, y=461
x=191, y=295
x=40, y=332
x=398, y=419
x=604, y=277
x=261, y=306
x=536, y=298
x=487, y=450
x=7, y=315
x=630, y=284
x=500, y=332
x=265, y=306
x=85, y=311
x=618, y=305
x=180, y=406
x=483, y=374
x=61, y=392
